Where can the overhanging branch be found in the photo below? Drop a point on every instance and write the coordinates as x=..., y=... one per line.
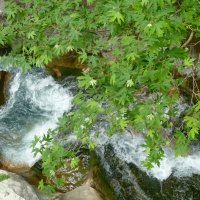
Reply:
x=188, y=40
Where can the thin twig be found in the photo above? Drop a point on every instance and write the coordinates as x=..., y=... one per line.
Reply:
x=178, y=11
x=194, y=44
x=188, y=40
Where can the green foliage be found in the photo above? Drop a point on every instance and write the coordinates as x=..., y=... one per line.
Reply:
x=46, y=188
x=192, y=121
x=153, y=147
x=192, y=129
x=53, y=155
x=181, y=145
x=4, y=177
x=131, y=48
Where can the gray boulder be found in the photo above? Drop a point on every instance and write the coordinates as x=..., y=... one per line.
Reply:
x=82, y=193
x=13, y=187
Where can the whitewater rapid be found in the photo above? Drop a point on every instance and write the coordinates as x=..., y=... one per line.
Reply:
x=35, y=103
x=128, y=148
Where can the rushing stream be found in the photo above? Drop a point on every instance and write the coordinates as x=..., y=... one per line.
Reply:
x=36, y=101
x=120, y=159
x=127, y=147
x=34, y=105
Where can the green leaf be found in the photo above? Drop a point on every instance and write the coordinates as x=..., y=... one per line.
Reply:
x=41, y=185
x=113, y=79
x=84, y=81
x=59, y=182
x=144, y=2
x=132, y=56
x=189, y=62
x=4, y=177
x=181, y=145
x=92, y=145
x=31, y=35
x=82, y=56
x=116, y=16
x=90, y=2
x=193, y=132
x=74, y=162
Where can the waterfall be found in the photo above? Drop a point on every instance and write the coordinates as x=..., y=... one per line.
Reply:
x=35, y=103
x=120, y=160
x=128, y=148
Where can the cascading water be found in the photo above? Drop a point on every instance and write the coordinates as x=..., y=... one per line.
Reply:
x=35, y=103
x=120, y=160
x=128, y=148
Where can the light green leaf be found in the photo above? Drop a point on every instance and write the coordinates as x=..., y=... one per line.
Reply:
x=116, y=16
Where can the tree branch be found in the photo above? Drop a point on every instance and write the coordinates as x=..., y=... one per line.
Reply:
x=188, y=40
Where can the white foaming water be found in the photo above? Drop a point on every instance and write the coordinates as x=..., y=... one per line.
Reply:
x=128, y=148
x=35, y=103
x=48, y=95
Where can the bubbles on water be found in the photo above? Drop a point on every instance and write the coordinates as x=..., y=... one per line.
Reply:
x=35, y=103
x=128, y=148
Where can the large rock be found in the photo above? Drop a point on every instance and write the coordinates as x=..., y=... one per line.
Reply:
x=4, y=81
x=119, y=175
x=14, y=167
x=82, y=193
x=15, y=188
x=131, y=183
x=67, y=64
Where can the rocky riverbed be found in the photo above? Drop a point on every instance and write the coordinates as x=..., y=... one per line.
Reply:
x=14, y=187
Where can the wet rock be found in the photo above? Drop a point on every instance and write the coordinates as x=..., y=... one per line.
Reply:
x=181, y=188
x=131, y=183
x=73, y=176
x=4, y=81
x=14, y=167
x=82, y=193
x=119, y=176
x=43, y=196
x=4, y=50
x=172, y=188
x=97, y=181
x=16, y=188
x=65, y=65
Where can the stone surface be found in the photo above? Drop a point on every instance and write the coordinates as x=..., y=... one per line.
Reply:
x=4, y=81
x=131, y=183
x=42, y=196
x=14, y=167
x=16, y=188
x=82, y=193
x=65, y=65
x=119, y=176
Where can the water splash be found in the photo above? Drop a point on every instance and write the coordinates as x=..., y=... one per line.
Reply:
x=35, y=103
x=128, y=148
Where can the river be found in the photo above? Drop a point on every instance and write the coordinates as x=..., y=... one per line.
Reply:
x=35, y=103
